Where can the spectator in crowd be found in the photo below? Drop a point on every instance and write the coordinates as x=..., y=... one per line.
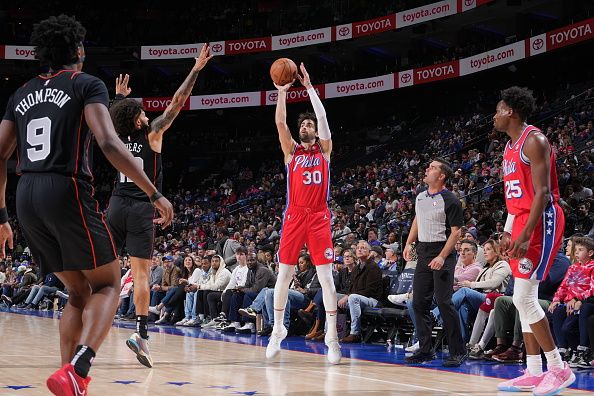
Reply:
x=50, y=285
x=170, y=280
x=365, y=290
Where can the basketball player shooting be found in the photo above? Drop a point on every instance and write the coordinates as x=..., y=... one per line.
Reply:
x=307, y=217
x=130, y=215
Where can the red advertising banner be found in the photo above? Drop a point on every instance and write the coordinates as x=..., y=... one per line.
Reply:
x=441, y=71
x=161, y=103
x=374, y=26
x=260, y=44
x=1, y=52
x=570, y=34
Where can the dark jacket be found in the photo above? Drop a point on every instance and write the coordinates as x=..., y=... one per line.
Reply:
x=366, y=280
x=258, y=278
x=342, y=281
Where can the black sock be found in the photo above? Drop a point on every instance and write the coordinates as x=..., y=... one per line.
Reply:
x=142, y=326
x=83, y=358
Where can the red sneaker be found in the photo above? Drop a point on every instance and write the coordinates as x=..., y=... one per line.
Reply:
x=65, y=382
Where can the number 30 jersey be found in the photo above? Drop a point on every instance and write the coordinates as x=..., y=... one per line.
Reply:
x=52, y=134
x=308, y=178
x=517, y=176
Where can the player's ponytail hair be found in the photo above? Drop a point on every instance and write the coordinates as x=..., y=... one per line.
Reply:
x=56, y=40
x=123, y=114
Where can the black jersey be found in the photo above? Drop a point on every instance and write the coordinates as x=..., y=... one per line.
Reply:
x=148, y=159
x=52, y=135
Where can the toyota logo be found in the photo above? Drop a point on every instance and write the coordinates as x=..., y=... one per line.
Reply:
x=405, y=78
x=344, y=31
x=217, y=48
x=537, y=44
x=272, y=96
x=468, y=3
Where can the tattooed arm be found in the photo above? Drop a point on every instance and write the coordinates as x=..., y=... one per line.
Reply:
x=163, y=122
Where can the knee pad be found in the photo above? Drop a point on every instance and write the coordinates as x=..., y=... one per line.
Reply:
x=526, y=301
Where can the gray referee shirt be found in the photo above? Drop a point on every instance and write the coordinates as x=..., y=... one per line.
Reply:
x=437, y=214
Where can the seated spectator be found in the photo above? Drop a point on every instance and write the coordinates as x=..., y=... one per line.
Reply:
x=223, y=298
x=199, y=277
x=218, y=278
x=492, y=278
x=365, y=290
x=575, y=288
x=170, y=280
x=26, y=278
x=258, y=277
x=50, y=285
x=172, y=304
x=298, y=297
x=342, y=282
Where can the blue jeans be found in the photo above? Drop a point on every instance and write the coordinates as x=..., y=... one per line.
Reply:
x=260, y=300
x=156, y=297
x=190, y=305
x=37, y=292
x=357, y=303
x=295, y=300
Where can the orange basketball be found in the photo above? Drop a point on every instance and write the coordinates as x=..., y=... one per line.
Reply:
x=283, y=71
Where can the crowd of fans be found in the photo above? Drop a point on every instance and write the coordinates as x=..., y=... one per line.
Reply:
x=215, y=266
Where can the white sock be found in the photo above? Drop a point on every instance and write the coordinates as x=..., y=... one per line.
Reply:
x=554, y=359
x=281, y=295
x=331, y=326
x=534, y=363
x=329, y=296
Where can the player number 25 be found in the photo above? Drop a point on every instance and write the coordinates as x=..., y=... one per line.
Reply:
x=38, y=136
x=124, y=178
x=513, y=189
x=309, y=177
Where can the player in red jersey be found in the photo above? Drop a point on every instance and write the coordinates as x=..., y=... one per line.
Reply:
x=533, y=235
x=306, y=220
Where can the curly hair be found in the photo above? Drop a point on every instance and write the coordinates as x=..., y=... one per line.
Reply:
x=307, y=116
x=123, y=114
x=56, y=40
x=521, y=100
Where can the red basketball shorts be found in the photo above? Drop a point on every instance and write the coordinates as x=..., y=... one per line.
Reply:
x=544, y=243
x=306, y=227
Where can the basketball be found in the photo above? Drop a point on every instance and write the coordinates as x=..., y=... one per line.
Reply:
x=283, y=71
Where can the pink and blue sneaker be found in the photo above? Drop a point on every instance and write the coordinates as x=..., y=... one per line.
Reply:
x=554, y=381
x=524, y=383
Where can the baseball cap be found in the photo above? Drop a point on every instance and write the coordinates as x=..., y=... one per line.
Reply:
x=338, y=259
x=168, y=258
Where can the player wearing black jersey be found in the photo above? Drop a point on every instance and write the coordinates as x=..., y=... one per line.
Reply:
x=130, y=215
x=49, y=121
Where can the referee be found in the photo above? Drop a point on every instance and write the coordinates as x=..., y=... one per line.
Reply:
x=436, y=227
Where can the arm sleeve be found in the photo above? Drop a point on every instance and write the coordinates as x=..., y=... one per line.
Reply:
x=323, y=127
x=9, y=114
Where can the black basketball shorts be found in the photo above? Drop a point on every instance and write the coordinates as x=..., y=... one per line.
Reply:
x=62, y=223
x=131, y=224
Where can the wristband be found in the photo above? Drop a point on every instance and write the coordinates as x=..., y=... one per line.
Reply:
x=3, y=215
x=156, y=195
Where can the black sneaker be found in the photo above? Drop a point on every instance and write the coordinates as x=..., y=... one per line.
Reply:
x=455, y=360
x=420, y=357
x=266, y=331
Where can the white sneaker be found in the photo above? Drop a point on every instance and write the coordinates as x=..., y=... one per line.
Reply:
x=192, y=322
x=61, y=294
x=334, y=353
x=274, y=342
x=139, y=346
x=183, y=322
x=154, y=310
x=248, y=328
x=212, y=323
x=413, y=348
x=398, y=299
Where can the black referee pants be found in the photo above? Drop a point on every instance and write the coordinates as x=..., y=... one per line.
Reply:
x=426, y=284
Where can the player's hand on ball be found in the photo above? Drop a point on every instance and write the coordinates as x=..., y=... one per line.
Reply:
x=284, y=88
x=304, y=77
x=203, y=58
x=5, y=236
x=165, y=210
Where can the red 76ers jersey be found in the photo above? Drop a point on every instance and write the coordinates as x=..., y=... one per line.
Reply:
x=308, y=178
x=517, y=176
